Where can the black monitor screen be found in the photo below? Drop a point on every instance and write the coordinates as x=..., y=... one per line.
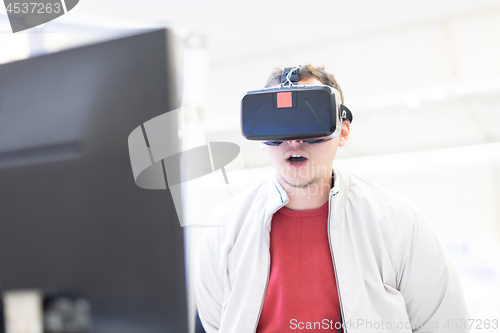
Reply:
x=71, y=216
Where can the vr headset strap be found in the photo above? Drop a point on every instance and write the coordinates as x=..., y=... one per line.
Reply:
x=294, y=78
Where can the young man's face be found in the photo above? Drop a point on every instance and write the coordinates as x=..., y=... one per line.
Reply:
x=315, y=165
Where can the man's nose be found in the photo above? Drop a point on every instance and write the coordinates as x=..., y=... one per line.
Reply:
x=294, y=142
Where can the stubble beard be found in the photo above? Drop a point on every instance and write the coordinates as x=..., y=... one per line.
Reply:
x=304, y=184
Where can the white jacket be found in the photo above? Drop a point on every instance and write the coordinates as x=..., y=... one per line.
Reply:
x=393, y=275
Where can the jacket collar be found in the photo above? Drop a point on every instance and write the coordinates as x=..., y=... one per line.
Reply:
x=338, y=194
x=277, y=196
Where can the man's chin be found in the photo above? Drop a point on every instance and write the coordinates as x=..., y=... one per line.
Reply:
x=299, y=183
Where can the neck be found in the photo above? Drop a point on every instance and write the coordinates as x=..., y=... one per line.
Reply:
x=309, y=197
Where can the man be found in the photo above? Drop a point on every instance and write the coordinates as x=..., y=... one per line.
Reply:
x=317, y=249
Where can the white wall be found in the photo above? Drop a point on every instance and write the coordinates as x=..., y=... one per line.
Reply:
x=426, y=104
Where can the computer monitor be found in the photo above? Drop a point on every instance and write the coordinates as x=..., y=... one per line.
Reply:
x=71, y=215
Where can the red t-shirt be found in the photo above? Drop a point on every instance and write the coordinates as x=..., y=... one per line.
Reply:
x=302, y=292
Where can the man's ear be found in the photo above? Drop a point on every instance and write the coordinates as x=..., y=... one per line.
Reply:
x=262, y=146
x=344, y=135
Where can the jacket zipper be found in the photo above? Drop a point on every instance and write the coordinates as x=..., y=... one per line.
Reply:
x=335, y=270
x=268, y=273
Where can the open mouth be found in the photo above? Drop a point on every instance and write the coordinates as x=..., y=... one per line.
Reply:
x=296, y=159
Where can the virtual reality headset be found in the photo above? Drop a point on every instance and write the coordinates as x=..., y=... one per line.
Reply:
x=290, y=111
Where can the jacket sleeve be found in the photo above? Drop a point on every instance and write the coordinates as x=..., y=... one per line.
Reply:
x=209, y=286
x=430, y=284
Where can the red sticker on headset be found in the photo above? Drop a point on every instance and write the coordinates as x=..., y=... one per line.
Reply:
x=284, y=99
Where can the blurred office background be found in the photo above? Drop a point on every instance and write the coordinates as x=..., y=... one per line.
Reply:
x=421, y=77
